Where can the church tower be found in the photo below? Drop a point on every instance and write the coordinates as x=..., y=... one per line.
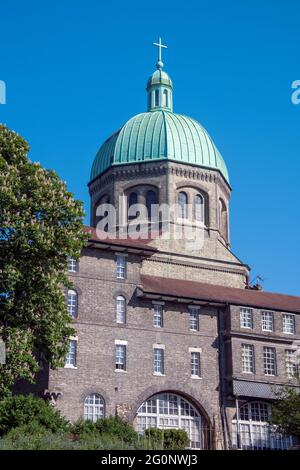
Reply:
x=160, y=157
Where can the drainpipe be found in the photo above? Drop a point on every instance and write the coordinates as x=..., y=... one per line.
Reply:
x=238, y=434
x=221, y=379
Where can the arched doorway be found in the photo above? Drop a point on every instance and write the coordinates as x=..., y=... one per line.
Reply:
x=172, y=411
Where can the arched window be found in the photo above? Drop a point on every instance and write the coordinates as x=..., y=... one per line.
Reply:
x=182, y=205
x=99, y=208
x=166, y=98
x=171, y=411
x=133, y=199
x=223, y=219
x=151, y=199
x=94, y=407
x=121, y=309
x=72, y=303
x=254, y=430
x=156, y=97
x=199, y=208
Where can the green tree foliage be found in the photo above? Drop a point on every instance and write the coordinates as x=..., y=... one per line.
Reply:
x=168, y=439
x=41, y=225
x=286, y=411
x=112, y=426
x=30, y=411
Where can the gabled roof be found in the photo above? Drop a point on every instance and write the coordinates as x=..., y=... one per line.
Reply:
x=160, y=286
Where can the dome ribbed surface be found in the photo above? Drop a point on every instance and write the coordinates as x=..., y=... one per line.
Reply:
x=159, y=135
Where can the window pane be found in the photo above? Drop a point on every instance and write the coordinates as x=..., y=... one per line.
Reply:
x=288, y=324
x=158, y=316
x=291, y=363
x=195, y=364
x=71, y=356
x=182, y=203
x=121, y=310
x=269, y=361
x=94, y=407
x=246, y=318
x=121, y=267
x=199, y=208
x=151, y=200
x=267, y=320
x=72, y=265
x=194, y=318
x=120, y=356
x=72, y=303
x=247, y=359
x=158, y=360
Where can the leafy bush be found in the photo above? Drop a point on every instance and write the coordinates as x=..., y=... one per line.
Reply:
x=112, y=426
x=19, y=410
x=167, y=439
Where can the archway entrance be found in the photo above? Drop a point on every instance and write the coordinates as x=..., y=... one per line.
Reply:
x=172, y=411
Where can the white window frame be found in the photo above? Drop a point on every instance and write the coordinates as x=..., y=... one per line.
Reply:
x=194, y=320
x=71, y=357
x=248, y=359
x=171, y=411
x=121, y=265
x=158, y=359
x=94, y=407
x=270, y=361
x=72, y=303
x=267, y=320
x=291, y=363
x=120, y=359
x=158, y=315
x=120, y=309
x=246, y=318
x=72, y=265
x=288, y=323
x=195, y=363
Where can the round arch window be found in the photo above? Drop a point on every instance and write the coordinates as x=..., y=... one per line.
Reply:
x=94, y=407
x=172, y=411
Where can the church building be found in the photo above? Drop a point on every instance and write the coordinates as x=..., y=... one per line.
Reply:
x=170, y=333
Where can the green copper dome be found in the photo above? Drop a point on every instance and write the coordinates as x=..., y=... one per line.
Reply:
x=159, y=135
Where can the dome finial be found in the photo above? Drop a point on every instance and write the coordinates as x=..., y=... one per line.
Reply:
x=160, y=46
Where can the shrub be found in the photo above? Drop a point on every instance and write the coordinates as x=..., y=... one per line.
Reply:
x=19, y=410
x=167, y=439
x=113, y=427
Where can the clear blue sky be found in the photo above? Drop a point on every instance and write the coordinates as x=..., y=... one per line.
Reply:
x=76, y=71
